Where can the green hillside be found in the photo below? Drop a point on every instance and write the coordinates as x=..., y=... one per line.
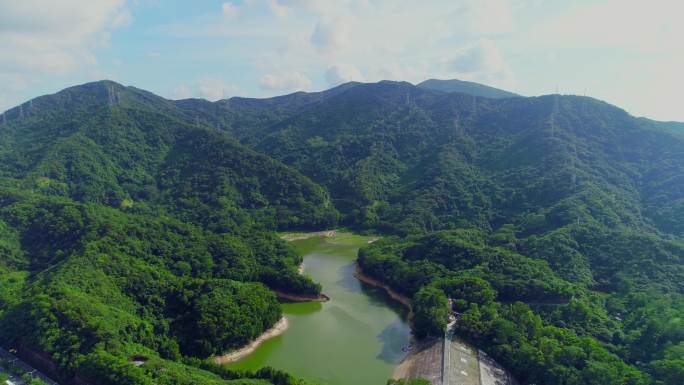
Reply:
x=127, y=230
x=381, y=148
x=465, y=87
x=573, y=206
x=134, y=225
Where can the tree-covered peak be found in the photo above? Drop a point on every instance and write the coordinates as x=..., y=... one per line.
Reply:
x=122, y=215
x=565, y=202
x=465, y=87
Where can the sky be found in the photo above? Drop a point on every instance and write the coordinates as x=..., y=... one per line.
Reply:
x=627, y=52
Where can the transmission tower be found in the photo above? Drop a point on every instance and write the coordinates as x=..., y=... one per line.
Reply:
x=554, y=112
x=573, y=167
x=110, y=96
x=474, y=106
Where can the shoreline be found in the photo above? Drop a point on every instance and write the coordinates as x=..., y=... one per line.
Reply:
x=288, y=297
x=300, y=298
x=408, y=364
x=359, y=274
x=416, y=362
x=277, y=329
x=301, y=236
x=282, y=324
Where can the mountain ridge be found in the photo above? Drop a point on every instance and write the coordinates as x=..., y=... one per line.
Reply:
x=168, y=209
x=466, y=87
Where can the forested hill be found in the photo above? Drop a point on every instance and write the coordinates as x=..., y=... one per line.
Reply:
x=127, y=230
x=464, y=87
x=565, y=203
x=114, y=145
x=132, y=225
x=396, y=156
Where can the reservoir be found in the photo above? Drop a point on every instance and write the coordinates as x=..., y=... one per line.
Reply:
x=355, y=338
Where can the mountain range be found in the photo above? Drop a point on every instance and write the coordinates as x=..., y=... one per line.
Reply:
x=135, y=225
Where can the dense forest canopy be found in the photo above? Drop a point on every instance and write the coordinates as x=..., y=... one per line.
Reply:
x=465, y=87
x=127, y=230
x=134, y=225
x=564, y=203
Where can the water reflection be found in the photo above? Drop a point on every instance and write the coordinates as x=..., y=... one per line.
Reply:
x=393, y=339
x=356, y=338
x=347, y=279
x=302, y=308
x=380, y=297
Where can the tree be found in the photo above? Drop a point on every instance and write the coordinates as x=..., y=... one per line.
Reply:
x=430, y=312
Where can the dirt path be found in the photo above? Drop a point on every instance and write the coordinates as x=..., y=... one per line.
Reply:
x=277, y=329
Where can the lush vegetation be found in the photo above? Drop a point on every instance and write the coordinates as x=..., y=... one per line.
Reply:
x=8, y=367
x=133, y=226
x=465, y=87
x=570, y=340
x=127, y=231
x=567, y=209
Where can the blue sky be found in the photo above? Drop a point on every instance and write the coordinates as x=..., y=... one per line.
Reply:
x=627, y=52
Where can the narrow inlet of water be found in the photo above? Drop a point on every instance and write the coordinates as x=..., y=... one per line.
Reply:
x=356, y=338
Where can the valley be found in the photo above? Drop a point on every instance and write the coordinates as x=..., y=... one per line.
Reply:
x=140, y=237
x=341, y=192
x=358, y=336
x=340, y=348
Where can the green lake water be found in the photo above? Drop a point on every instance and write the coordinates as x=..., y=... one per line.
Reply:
x=356, y=338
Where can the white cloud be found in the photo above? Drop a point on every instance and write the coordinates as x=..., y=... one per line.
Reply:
x=278, y=9
x=331, y=35
x=482, y=61
x=627, y=52
x=210, y=88
x=285, y=81
x=486, y=17
x=216, y=89
x=483, y=55
x=381, y=39
x=412, y=72
x=48, y=38
x=271, y=46
x=124, y=18
x=628, y=24
x=183, y=91
x=318, y=7
x=55, y=37
x=230, y=10
x=342, y=73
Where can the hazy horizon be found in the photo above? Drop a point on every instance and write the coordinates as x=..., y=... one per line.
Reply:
x=624, y=52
